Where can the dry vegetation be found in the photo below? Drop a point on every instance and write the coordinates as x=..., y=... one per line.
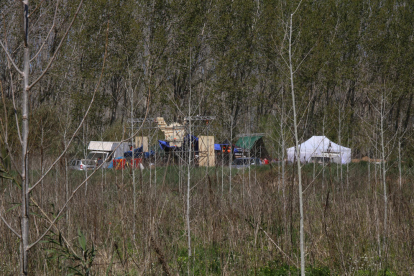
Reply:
x=253, y=231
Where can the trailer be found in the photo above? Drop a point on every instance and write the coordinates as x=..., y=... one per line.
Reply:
x=104, y=152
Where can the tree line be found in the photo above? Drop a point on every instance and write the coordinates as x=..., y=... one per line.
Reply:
x=78, y=68
x=349, y=54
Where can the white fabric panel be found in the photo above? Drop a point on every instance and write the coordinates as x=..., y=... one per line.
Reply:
x=102, y=146
x=315, y=146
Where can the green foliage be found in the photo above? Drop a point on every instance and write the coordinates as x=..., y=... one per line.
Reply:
x=77, y=260
x=276, y=268
x=205, y=261
x=343, y=51
x=4, y=173
x=8, y=127
x=5, y=168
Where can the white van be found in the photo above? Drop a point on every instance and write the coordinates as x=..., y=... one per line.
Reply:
x=106, y=151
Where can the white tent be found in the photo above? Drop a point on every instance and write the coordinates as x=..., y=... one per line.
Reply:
x=320, y=146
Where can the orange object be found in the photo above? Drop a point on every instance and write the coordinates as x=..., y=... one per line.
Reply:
x=119, y=164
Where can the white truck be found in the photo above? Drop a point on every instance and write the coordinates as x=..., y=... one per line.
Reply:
x=106, y=151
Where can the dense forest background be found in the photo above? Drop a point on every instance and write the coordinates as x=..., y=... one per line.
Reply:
x=96, y=64
x=353, y=62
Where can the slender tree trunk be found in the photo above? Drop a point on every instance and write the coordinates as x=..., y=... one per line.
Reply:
x=222, y=175
x=189, y=176
x=384, y=182
x=134, y=191
x=231, y=154
x=67, y=193
x=283, y=167
x=399, y=164
x=41, y=166
x=369, y=172
x=188, y=199
x=323, y=159
x=25, y=135
x=302, y=238
x=340, y=143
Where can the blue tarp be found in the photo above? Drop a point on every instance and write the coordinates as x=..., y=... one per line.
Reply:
x=137, y=152
x=111, y=164
x=165, y=145
x=187, y=139
x=149, y=153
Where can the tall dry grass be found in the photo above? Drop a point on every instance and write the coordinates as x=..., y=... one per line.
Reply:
x=253, y=231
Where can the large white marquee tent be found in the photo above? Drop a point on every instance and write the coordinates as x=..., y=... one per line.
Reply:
x=318, y=146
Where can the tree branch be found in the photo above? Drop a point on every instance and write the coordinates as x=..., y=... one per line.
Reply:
x=5, y=130
x=50, y=221
x=11, y=229
x=81, y=184
x=57, y=50
x=36, y=8
x=50, y=31
x=12, y=90
x=10, y=59
x=84, y=117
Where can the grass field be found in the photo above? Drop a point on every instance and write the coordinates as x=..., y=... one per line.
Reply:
x=251, y=228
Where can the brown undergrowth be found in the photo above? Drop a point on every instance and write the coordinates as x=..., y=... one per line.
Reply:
x=252, y=231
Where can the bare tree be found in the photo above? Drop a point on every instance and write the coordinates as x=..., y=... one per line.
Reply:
x=295, y=125
x=384, y=148
x=24, y=137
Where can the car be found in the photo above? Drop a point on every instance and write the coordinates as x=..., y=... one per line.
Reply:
x=82, y=164
x=245, y=162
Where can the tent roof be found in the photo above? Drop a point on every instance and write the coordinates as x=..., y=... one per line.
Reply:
x=102, y=145
x=321, y=142
x=318, y=146
x=247, y=142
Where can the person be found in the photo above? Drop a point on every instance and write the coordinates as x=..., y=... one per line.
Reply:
x=266, y=162
x=99, y=161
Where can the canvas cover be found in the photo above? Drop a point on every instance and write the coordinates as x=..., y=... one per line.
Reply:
x=164, y=145
x=102, y=146
x=137, y=152
x=116, y=148
x=247, y=142
x=317, y=145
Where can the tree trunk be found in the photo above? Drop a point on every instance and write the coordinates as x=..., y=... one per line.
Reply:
x=302, y=238
x=25, y=134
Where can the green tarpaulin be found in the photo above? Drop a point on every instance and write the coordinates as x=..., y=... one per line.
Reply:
x=247, y=142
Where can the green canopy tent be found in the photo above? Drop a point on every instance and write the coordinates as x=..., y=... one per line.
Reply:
x=252, y=145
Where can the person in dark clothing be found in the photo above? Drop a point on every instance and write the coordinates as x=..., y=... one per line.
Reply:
x=99, y=161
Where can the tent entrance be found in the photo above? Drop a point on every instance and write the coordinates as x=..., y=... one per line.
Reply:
x=326, y=157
